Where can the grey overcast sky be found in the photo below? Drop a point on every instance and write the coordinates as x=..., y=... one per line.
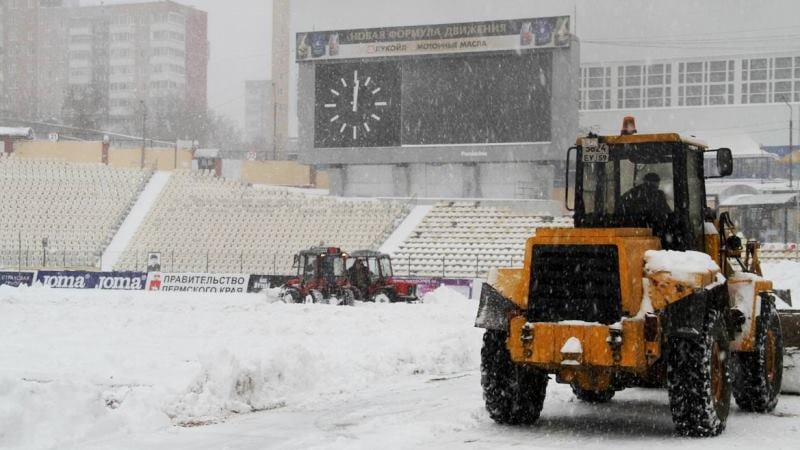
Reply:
x=240, y=30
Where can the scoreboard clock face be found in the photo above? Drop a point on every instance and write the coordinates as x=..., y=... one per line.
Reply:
x=357, y=105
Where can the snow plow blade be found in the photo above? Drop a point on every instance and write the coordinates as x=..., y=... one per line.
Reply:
x=790, y=328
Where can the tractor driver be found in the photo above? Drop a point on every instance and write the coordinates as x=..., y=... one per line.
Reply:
x=360, y=277
x=646, y=203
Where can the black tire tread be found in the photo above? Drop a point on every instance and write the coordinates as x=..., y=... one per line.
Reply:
x=751, y=389
x=689, y=381
x=513, y=394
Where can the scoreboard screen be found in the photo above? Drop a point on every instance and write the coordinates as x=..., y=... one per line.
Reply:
x=434, y=100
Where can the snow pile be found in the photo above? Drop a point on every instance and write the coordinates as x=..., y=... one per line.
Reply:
x=682, y=265
x=784, y=275
x=76, y=366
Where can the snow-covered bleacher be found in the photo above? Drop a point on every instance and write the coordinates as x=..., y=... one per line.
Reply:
x=61, y=214
x=464, y=239
x=779, y=251
x=203, y=223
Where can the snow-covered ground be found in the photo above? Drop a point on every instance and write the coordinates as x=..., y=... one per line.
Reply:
x=80, y=366
x=100, y=369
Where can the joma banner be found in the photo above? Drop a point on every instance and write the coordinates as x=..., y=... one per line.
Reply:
x=124, y=281
x=197, y=282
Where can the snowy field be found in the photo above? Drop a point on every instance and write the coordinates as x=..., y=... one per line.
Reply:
x=105, y=370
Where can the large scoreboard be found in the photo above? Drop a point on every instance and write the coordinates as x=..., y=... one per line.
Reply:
x=436, y=84
x=469, y=93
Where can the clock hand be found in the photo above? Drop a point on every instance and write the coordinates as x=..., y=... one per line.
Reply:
x=355, y=95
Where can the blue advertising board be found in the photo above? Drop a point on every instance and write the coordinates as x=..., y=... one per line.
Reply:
x=17, y=279
x=128, y=281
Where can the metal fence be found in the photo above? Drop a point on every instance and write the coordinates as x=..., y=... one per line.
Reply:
x=214, y=261
x=252, y=261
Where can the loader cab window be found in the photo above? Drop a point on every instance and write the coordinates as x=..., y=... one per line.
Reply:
x=636, y=187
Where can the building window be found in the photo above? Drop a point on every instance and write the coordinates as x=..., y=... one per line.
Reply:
x=629, y=87
x=658, y=80
x=595, y=88
x=755, y=80
x=703, y=83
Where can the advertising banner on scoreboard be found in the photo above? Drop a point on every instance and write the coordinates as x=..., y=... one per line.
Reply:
x=520, y=34
x=17, y=279
x=123, y=281
x=197, y=282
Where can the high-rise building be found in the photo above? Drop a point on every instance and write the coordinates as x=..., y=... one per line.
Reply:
x=259, y=117
x=100, y=66
x=280, y=73
x=31, y=43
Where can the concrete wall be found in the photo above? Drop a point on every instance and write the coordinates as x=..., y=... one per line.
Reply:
x=369, y=178
x=279, y=173
x=69, y=151
x=92, y=152
x=154, y=158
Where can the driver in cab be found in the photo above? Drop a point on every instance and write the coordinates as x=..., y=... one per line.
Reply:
x=646, y=201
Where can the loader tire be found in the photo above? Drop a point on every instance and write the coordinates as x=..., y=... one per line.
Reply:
x=514, y=394
x=757, y=375
x=590, y=396
x=698, y=380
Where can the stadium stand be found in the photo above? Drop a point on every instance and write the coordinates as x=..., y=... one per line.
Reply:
x=201, y=223
x=76, y=207
x=462, y=239
x=774, y=252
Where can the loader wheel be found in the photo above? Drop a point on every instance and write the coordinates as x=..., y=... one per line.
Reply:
x=590, y=396
x=514, y=394
x=698, y=380
x=758, y=374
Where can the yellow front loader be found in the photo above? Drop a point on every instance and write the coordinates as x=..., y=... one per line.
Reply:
x=651, y=288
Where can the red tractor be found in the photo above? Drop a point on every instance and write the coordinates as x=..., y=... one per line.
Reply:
x=321, y=278
x=370, y=272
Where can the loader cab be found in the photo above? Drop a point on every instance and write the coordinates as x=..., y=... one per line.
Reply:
x=651, y=181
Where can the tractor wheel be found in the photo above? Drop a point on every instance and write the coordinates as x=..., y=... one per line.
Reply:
x=514, y=394
x=290, y=295
x=314, y=296
x=590, y=396
x=698, y=380
x=348, y=297
x=758, y=374
x=382, y=297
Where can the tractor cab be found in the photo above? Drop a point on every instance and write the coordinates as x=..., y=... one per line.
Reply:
x=320, y=275
x=654, y=181
x=371, y=273
x=321, y=263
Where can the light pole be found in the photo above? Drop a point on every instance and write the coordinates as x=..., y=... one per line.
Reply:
x=790, y=142
x=274, y=122
x=144, y=130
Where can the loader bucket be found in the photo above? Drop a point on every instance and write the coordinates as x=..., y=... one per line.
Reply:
x=790, y=327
